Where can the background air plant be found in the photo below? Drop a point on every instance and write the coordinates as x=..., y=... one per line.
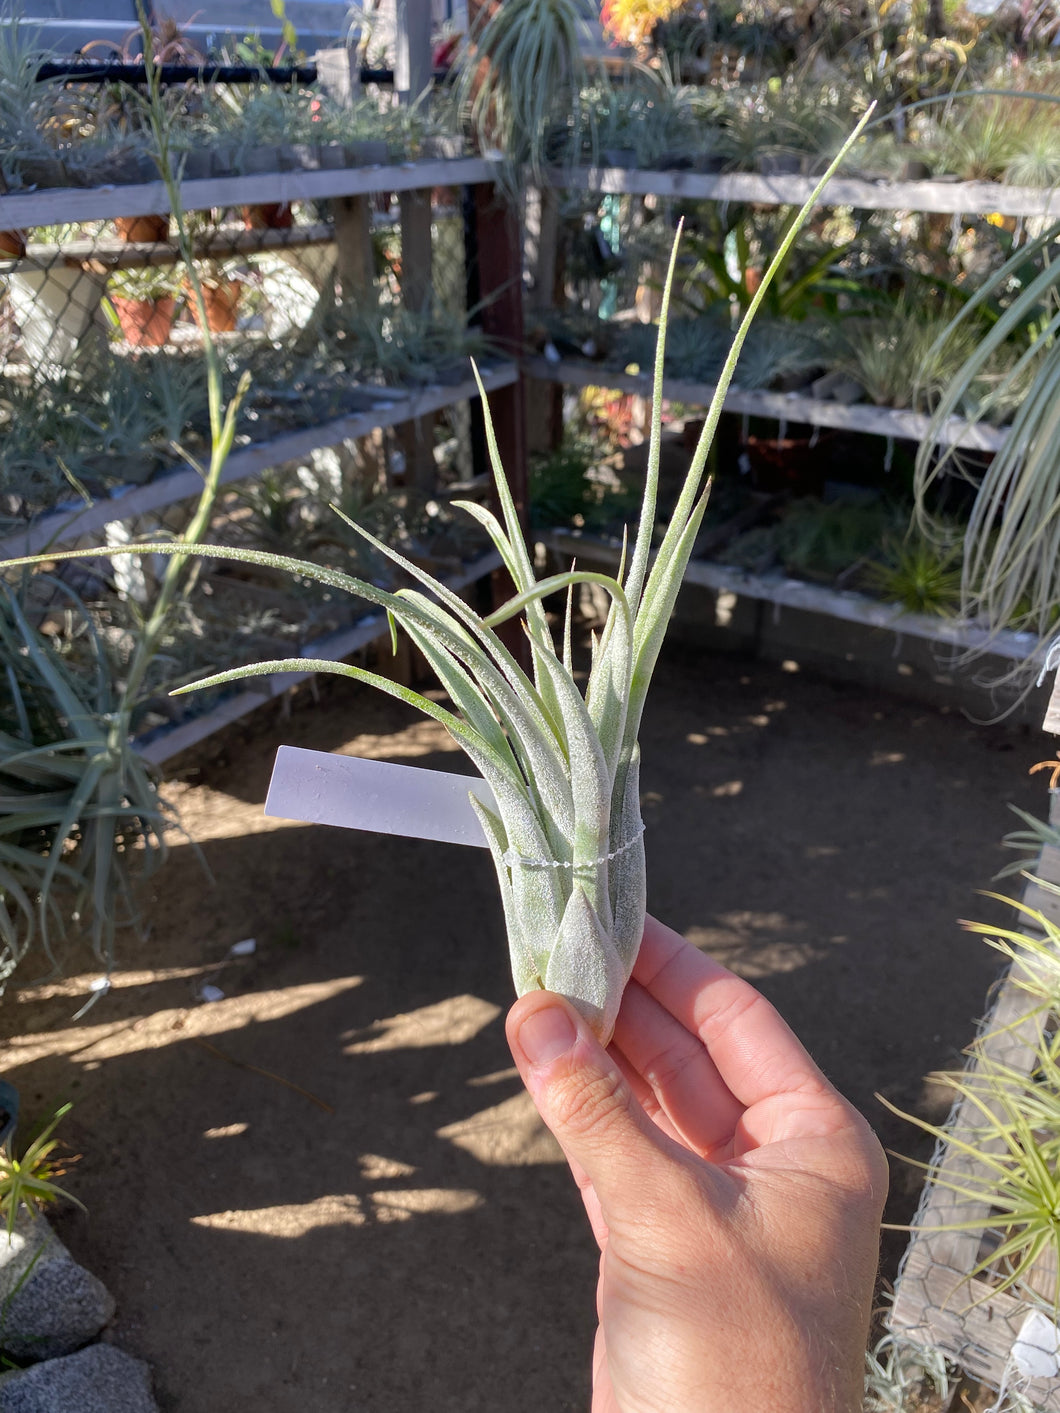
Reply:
x=1011, y=569
x=566, y=830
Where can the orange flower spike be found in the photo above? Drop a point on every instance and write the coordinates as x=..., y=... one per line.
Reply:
x=1051, y=765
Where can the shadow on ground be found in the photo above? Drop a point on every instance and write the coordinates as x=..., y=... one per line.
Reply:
x=327, y=1190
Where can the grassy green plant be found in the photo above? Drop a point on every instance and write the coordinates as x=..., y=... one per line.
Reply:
x=1034, y=960
x=1009, y=1143
x=29, y=1180
x=919, y=574
x=1013, y=1172
x=566, y=833
x=568, y=487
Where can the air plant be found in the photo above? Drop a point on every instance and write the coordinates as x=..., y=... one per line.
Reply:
x=899, y=358
x=524, y=66
x=918, y=574
x=1004, y=1163
x=899, y=1372
x=1011, y=573
x=1028, y=842
x=29, y=1180
x=565, y=832
x=1009, y=1175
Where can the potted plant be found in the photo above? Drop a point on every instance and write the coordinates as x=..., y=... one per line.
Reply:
x=269, y=215
x=12, y=245
x=143, y=302
x=222, y=289
x=145, y=230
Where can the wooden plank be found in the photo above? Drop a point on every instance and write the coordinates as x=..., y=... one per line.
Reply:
x=417, y=438
x=941, y=197
x=391, y=408
x=815, y=598
x=334, y=648
x=784, y=407
x=353, y=245
x=132, y=255
x=54, y=206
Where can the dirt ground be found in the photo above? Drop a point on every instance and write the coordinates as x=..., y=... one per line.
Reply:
x=326, y=1191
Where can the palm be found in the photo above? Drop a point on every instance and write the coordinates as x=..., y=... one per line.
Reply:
x=742, y=1109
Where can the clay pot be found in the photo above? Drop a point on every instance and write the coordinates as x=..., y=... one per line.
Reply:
x=795, y=464
x=145, y=323
x=222, y=305
x=146, y=230
x=272, y=215
x=12, y=245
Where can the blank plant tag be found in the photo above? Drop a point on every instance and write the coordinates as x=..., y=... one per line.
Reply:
x=318, y=788
x=1036, y=1352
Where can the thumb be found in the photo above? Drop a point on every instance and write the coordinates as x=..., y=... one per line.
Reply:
x=583, y=1096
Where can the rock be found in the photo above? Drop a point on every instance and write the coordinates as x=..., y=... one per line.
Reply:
x=49, y=1305
x=99, y=1379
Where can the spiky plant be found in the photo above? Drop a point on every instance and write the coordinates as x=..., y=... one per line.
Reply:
x=1011, y=565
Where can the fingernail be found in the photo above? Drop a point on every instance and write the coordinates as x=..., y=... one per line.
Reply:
x=547, y=1034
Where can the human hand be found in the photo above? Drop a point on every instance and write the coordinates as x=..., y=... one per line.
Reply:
x=735, y=1195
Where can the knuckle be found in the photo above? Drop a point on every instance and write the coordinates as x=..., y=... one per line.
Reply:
x=591, y=1106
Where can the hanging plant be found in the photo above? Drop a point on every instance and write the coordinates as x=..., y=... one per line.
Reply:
x=524, y=68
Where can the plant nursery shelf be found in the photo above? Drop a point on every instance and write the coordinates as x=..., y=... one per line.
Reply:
x=55, y=206
x=168, y=742
x=783, y=407
x=390, y=408
x=941, y=197
x=814, y=598
x=130, y=255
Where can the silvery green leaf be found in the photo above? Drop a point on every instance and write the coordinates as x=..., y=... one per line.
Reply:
x=627, y=878
x=584, y=965
x=527, y=969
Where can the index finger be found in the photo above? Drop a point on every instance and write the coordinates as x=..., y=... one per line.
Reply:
x=755, y=1052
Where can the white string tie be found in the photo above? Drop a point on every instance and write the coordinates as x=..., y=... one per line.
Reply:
x=512, y=858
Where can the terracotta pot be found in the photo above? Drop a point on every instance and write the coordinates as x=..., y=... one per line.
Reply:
x=146, y=230
x=12, y=245
x=795, y=464
x=273, y=216
x=222, y=305
x=145, y=323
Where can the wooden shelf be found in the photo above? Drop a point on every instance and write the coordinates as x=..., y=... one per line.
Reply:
x=168, y=742
x=132, y=255
x=784, y=407
x=391, y=408
x=815, y=598
x=54, y=206
x=937, y=197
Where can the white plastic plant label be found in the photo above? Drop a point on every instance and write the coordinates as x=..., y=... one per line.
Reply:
x=318, y=788
x=1036, y=1352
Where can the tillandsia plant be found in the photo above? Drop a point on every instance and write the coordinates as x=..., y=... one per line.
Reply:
x=29, y=1180
x=565, y=832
